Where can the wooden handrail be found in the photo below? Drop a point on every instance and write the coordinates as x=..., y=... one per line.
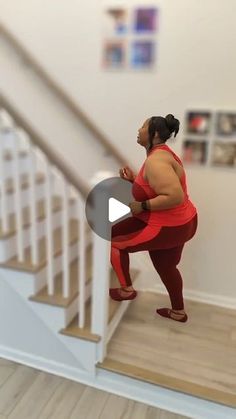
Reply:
x=62, y=95
x=42, y=144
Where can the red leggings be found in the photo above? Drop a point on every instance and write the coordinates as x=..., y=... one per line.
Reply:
x=165, y=246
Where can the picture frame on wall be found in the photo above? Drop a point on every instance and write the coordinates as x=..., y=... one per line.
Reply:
x=142, y=54
x=224, y=154
x=145, y=20
x=198, y=122
x=129, y=38
x=116, y=21
x=226, y=124
x=114, y=54
x=195, y=152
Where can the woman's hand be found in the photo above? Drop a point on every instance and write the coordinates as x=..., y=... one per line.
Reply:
x=135, y=207
x=127, y=174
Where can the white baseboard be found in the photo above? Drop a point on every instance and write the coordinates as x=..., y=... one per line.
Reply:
x=148, y=276
x=198, y=296
x=156, y=396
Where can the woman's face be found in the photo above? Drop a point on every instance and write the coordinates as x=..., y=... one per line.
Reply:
x=143, y=136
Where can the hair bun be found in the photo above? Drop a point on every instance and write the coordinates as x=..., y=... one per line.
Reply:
x=172, y=123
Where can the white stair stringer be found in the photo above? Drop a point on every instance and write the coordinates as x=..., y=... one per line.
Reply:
x=54, y=317
x=47, y=114
x=32, y=335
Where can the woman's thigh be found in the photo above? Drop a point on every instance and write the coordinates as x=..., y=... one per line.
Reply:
x=126, y=227
x=151, y=238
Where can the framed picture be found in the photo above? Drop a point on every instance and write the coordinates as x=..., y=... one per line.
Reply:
x=226, y=124
x=224, y=154
x=145, y=20
x=195, y=152
x=198, y=123
x=114, y=54
x=142, y=54
x=116, y=21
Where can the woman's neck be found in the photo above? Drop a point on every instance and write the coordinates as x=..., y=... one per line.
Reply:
x=157, y=145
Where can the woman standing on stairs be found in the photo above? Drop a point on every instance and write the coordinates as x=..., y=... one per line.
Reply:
x=163, y=218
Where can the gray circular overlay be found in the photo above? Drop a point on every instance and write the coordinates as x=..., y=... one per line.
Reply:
x=97, y=204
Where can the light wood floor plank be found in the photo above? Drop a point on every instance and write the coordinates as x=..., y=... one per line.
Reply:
x=63, y=401
x=35, y=399
x=5, y=373
x=30, y=394
x=8, y=363
x=90, y=404
x=15, y=387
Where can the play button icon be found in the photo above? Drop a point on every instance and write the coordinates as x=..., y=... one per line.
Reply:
x=117, y=210
x=108, y=203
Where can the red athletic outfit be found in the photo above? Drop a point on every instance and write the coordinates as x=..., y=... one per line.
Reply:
x=162, y=233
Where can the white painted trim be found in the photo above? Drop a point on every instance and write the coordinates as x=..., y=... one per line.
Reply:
x=172, y=401
x=116, y=319
x=198, y=296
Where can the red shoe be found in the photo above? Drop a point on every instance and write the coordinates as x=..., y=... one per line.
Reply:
x=166, y=312
x=115, y=294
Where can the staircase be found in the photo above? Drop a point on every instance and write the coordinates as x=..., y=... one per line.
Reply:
x=48, y=254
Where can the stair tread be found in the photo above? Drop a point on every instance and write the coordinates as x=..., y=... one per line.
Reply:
x=24, y=178
x=168, y=382
x=27, y=265
x=41, y=214
x=74, y=331
x=57, y=299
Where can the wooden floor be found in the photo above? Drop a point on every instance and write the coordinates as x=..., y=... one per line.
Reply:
x=26, y=393
x=197, y=357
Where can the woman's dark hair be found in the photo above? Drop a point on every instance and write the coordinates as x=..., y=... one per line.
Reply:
x=163, y=126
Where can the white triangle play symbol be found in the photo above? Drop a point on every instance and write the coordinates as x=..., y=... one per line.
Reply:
x=117, y=209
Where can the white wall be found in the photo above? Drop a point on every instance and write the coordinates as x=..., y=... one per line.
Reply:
x=196, y=68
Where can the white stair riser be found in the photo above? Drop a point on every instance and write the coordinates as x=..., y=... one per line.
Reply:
x=27, y=283
x=55, y=317
x=8, y=247
x=25, y=198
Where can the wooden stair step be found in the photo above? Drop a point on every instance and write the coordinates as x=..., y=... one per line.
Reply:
x=9, y=183
x=41, y=214
x=74, y=331
x=27, y=265
x=57, y=299
x=171, y=383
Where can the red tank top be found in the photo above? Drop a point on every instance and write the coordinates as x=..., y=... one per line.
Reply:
x=175, y=216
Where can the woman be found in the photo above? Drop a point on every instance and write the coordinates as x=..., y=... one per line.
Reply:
x=163, y=218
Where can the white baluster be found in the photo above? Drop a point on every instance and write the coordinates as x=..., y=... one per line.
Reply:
x=18, y=201
x=3, y=201
x=81, y=261
x=33, y=208
x=49, y=229
x=65, y=240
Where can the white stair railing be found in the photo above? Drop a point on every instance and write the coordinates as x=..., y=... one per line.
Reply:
x=100, y=253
